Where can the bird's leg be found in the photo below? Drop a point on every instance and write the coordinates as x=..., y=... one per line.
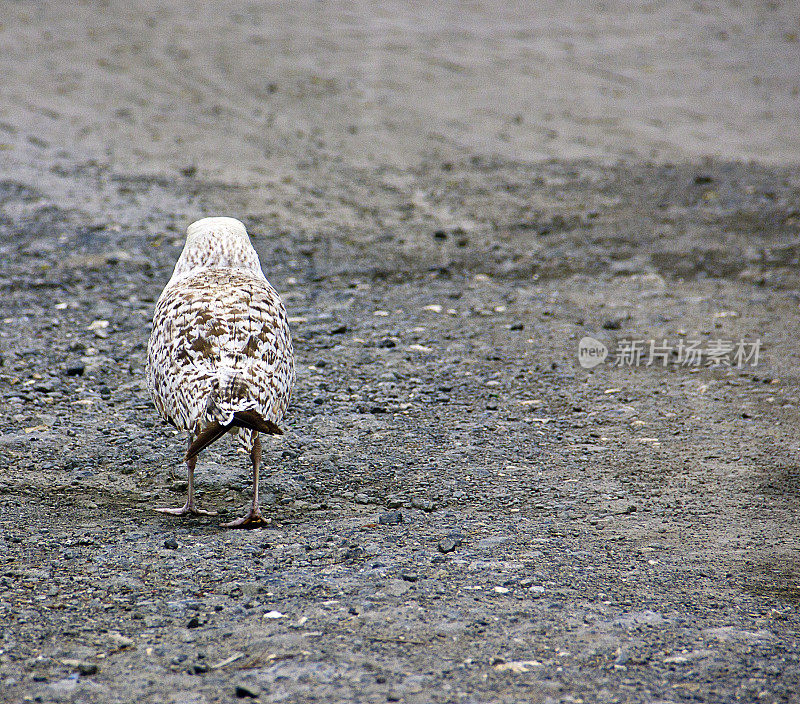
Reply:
x=253, y=518
x=189, y=506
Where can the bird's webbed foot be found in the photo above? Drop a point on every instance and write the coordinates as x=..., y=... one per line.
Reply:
x=253, y=519
x=189, y=508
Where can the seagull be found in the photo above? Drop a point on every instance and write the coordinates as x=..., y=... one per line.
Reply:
x=220, y=355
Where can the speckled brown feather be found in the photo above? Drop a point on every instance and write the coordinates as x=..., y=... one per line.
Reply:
x=220, y=344
x=250, y=420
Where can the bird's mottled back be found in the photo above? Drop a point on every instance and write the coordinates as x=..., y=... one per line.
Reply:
x=220, y=344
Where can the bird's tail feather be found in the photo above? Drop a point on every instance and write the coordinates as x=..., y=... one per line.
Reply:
x=241, y=419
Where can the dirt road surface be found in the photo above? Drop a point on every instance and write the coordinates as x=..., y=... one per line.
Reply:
x=449, y=198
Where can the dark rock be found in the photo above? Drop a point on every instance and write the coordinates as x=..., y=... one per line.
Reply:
x=46, y=386
x=354, y=553
x=170, y=543
x=450, y=542
x=87, y=668
x=247, y=691
x=392, y=518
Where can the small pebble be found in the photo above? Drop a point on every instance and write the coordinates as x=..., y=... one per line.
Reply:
x=120, y=642
x=451, y=542
x=423, y=504
x=247, y=691
x=84, y=667
x=392, y=518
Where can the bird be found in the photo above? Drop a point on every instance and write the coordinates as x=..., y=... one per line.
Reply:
x=220, y=355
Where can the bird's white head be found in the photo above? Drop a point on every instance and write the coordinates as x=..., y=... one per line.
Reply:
x=216, y=243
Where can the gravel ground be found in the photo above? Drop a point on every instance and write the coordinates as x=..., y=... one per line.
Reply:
x=460, y=512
